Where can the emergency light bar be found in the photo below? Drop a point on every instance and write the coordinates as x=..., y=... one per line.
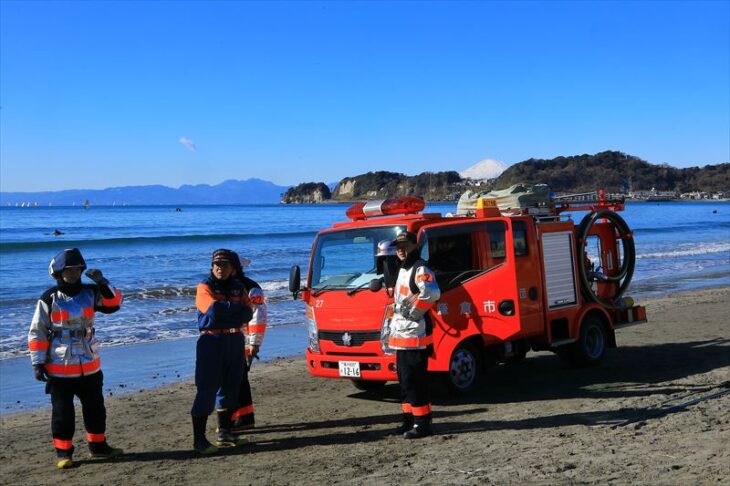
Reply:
x=369, y=209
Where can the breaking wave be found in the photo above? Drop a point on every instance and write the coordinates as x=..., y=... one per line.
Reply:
x=704, y=249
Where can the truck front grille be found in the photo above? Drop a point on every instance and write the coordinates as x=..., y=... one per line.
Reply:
x=357, y=338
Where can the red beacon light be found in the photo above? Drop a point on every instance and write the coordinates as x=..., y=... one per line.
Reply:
x=369, y=209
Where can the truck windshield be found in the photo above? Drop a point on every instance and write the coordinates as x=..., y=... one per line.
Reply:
x=346, y=259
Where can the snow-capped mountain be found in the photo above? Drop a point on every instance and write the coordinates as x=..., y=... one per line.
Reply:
x=484, y=169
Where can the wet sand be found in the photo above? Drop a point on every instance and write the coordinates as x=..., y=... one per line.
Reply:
x=535, y=422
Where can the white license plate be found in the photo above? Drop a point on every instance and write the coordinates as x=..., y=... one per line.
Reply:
x=350, y=369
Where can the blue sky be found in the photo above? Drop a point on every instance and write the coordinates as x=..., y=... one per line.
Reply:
x=100, y=94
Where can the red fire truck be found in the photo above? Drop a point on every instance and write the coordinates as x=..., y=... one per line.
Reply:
x=511, y=281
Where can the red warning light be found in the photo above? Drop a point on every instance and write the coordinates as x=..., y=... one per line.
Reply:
x=403, y=205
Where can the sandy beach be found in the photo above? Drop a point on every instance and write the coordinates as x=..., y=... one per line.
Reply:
x=536, y=422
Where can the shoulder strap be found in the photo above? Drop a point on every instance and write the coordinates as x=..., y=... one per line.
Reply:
x=412, y=281
x=47, y=296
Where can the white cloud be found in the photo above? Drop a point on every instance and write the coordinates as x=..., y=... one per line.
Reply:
x=188, y=143
x=484, y=169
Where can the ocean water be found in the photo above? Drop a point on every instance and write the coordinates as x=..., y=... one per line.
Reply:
x=157, y=255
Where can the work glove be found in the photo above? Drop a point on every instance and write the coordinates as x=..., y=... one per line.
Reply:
x=96, y=276
x=253, y=351
x=406, y=308
x=39, y=370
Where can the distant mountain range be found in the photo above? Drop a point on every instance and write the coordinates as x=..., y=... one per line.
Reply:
x=249, y=191
x=611, y=170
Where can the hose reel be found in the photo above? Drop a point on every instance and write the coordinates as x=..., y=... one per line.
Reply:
x=622, y=277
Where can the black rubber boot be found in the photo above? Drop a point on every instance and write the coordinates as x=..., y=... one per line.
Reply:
x=243, y=423
x=103, y=450
x=200, y=443
x=406, y=425
x=64, y=458
x=421, y=428
x=225, y=438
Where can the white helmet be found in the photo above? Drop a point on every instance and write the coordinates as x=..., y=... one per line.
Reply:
x=385, y=248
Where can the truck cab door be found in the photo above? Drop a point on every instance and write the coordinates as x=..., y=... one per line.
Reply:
x=476, y=276
x=528, y=276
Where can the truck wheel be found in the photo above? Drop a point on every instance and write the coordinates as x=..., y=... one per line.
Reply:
x=591, y=346
x=368, y=385
x=465, y=369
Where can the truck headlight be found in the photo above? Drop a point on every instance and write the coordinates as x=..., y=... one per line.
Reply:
x=313, y=334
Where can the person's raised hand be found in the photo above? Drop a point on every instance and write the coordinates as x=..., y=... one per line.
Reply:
x=95, y=275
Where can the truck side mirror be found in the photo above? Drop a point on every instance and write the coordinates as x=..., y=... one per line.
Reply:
x=375, y=284
x=294, y=280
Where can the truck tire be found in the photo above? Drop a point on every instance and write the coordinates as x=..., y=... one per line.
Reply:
x=465, y=369
x=591, y=345
x=369, y=385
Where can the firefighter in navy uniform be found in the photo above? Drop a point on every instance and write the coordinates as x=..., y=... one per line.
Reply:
x=416, y=291
x=223, y=309
x=65, y=352
x=243, y=415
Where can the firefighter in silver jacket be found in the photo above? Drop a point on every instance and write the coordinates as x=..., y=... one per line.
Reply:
x=243, y=416
x=416, y=291
x=65, y=352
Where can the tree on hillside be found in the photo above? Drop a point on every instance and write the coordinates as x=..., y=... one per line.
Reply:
x=613, y=171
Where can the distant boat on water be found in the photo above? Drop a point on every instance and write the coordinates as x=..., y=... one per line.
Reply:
x=86, y=204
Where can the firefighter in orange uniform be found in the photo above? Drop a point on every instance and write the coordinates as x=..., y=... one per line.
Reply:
x=416, y=291
x=65, y=353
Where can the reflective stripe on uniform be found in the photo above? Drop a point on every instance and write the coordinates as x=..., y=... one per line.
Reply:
x=59, y=316
x=114, y=301
x=37, y=345
x=74, y=369
x=62, y=444
x=247, y=410
x=422, y=410
x=410, y=342
x=95, y=437
x=423, y=304
x=256, y=328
